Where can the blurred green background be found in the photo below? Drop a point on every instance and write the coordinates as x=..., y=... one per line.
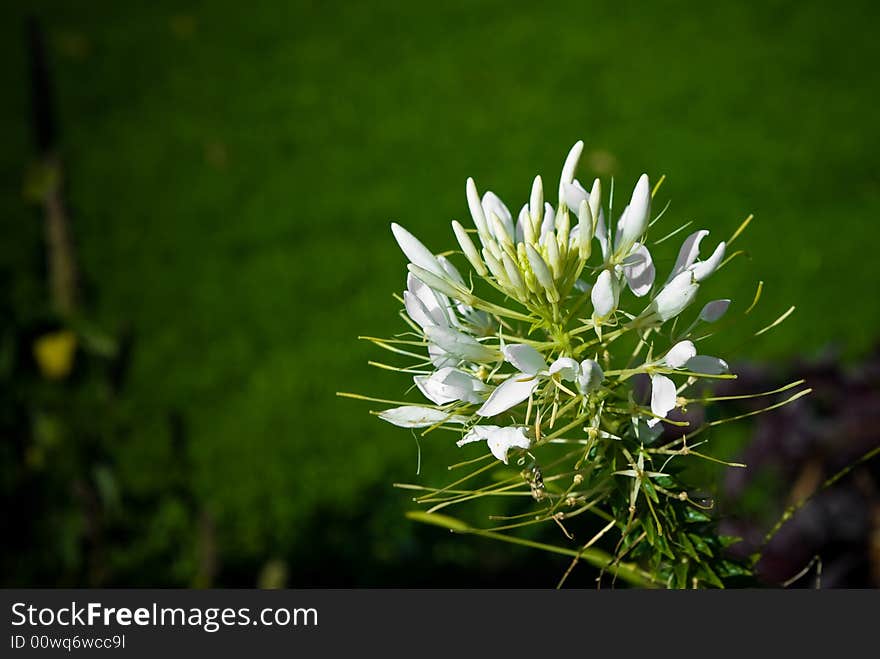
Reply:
x=230, y=173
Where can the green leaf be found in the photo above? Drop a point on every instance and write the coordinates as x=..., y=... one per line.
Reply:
x=728, y=540
x=731, y=569
x=650, y=531
x=650, y=490
x=681, y=573
x=693, y=515
x=701, y=545
x=689, y=548
x=711, y=577
x=664, y=548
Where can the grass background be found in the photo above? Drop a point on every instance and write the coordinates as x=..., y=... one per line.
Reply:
x=232, y=170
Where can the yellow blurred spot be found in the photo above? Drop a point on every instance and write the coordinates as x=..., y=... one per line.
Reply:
x=273, y=575
x=216, y=154
x=73, y=44
x=602, y=162
x=54, y=354
x=182, y=26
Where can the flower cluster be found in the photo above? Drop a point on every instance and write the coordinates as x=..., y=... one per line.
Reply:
x=543, y=345
x=542, y=261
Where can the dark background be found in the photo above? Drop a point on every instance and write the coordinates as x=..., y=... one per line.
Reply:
x=230, y=171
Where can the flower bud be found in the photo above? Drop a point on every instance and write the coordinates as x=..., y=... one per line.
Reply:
x=714, y=310
x=568, y=169
x=587, y=227
x=415, y=251
x=513, y=275
x=590, y=376
x=542, y=272
x=536, y=201
x=476, y=208
x=604, y=294
x=469, y=249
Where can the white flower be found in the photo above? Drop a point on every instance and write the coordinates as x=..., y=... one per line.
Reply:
x=672, y=299
x=575, y=193
x=413, y=416
x=430, y=309
x=687, y=258
x=423, y=305
x=590, y=376
x=567, y=176
x=500, y=440
x=492, y=205
x=634, y=219
x=662, y=397
x=518, y=387
x=532, y=370
x=459, y=344
x=638, y=268
x=449, y=384
x=679, y=354
x=683, y=355
x=565, y=368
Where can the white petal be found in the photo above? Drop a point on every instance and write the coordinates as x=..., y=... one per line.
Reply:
x=440, y=358
x=417, y=311
x=511, y=392
x=500, y=440
x=618, y=233
x=575, y=193
x=492, y=205
x=459, y=344
x=449, y=384
x=412, y=416
x=679, y=354
x=703, y=269
x=568, y=169
x=450, y=270
x=638, y=215
x=442, y=285
x=415, y=251
x=436, y=304
x=590, y=377
x=639, y=271
x=476, y=208
x=690, y=250
x=469, y=249
x=604, y=294
x=567, y=368
x=674, y=298
x=707, y=365
x=536, y=199
x=523, y=224
x=525, y=358
x=549, y=222
x=662, y=395
x=714, y=310
x=539, y=268
x=512, y=271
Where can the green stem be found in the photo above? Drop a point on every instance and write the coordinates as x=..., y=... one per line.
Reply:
x=596, y=557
